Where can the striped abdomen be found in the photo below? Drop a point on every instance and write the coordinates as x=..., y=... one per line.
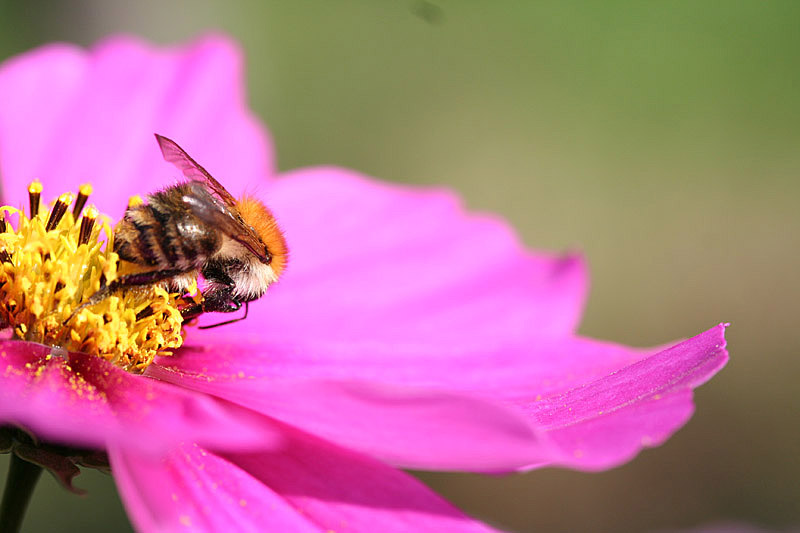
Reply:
x=164, y=234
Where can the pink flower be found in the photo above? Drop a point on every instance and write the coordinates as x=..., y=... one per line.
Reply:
x=405, y=332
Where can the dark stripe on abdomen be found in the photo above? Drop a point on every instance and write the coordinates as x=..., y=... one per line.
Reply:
x=146, y=251
x=166, y=236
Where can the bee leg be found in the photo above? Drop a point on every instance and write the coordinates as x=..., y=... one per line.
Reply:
x=220, y=299
x=131, y=280
x=214, y=303
x=191, y=311
x=142, y=278
x=246, y=309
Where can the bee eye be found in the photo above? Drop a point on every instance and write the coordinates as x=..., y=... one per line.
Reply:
x=267, y=255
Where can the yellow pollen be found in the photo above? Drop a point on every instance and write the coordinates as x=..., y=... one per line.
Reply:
x=50, y=264
x=35, y=187
x=135, y=200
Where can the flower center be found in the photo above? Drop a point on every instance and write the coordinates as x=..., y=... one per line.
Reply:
x=54, y=261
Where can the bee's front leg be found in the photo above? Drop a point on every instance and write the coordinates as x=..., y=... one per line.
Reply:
x=218, y=297
x=191, y=311
x=214, y=301
x=221, y=300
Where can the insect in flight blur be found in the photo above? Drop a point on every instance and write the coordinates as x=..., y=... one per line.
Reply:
x=198, y=227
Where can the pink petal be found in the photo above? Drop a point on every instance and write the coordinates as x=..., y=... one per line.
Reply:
x=504, y=369
x=374, y=261
x=83, y=400
x=308, y=485
x=460, y=409
x=69, y=116
x=407, y=426
x=606, y=422
x=195, y=490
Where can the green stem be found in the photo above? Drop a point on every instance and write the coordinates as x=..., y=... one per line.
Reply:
x=21, y=480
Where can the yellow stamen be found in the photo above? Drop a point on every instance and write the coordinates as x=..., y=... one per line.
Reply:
x=49, y=269
x=34, y=193
x=57, y=213
x=84, y=191
x=87, y=223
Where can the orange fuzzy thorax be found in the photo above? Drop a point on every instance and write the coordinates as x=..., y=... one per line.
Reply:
x=261, y=219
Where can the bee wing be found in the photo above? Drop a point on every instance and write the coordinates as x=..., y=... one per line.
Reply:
x=212, y=212
x=177, y=156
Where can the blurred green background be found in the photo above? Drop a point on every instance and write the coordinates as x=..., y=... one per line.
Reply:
x=660, y=138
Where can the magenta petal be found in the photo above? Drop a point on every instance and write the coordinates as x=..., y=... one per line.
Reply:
x=606, y=422
x=407, y=426
x=84, y=400
x=374, y=261
x=309, y=484
x=195, y=490
x=69, y=116
x=500, y=369
x=471, y=407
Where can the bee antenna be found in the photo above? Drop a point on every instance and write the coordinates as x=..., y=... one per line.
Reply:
x=246, y=308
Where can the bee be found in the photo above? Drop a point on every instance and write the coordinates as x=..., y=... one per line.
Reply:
x=198, y=227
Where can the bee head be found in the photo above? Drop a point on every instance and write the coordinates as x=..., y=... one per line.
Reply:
x=257, y=216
